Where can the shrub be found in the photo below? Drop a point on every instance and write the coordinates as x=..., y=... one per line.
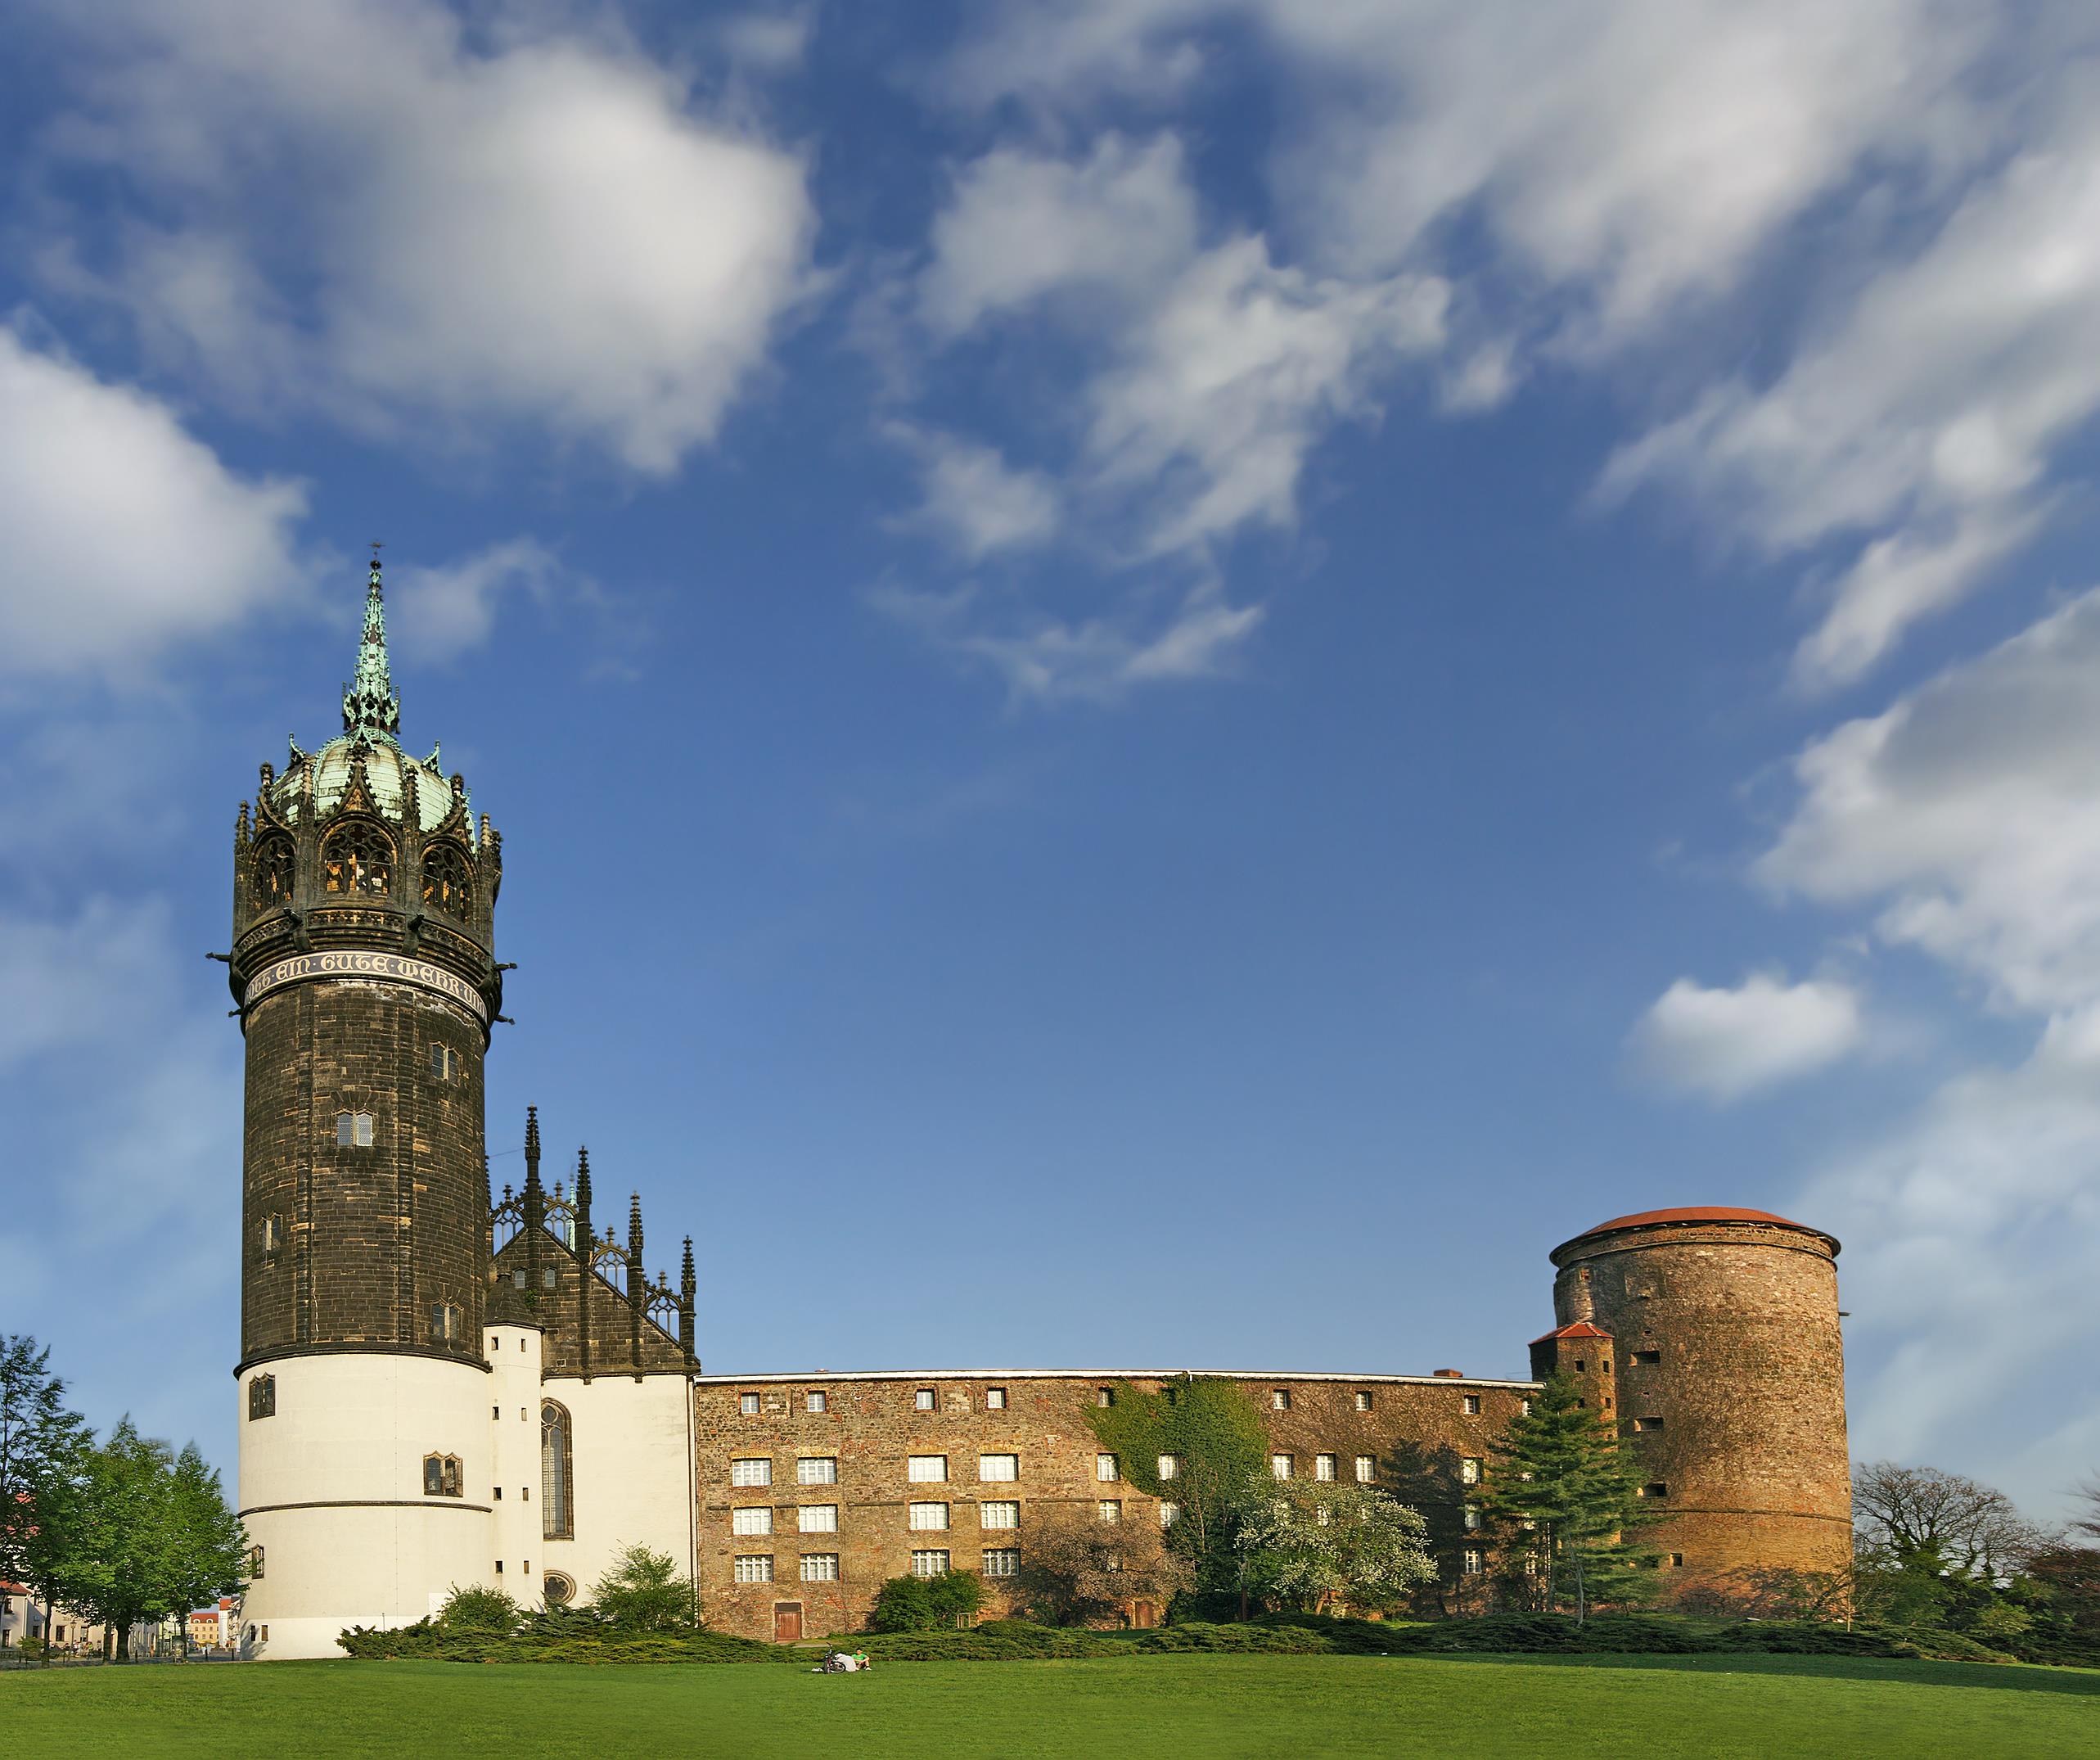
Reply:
x=644, y=1592
x=926, y=1604
x=486, y=1610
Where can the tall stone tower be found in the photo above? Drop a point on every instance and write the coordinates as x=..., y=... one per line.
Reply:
x=364, y=972
x=1711, y=1336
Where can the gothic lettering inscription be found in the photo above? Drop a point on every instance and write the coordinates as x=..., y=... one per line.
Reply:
x=351, y=962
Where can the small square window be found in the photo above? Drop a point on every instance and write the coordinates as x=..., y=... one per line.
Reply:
x=1647, y=1357
x=1471, y=1561
x=925, y=1516
x=1104, y=1396
x=998, y=1515
x=1002, y=1561
x=747, y=1404
x=927, y=1469
x=1279, y=1400
x=1470, y=1404
x=751, y=1568
x=1647, y=1424
x=1676, y=1562
x=1105, y=1469
x=998, y=1469
x=1169, y=1513
x=816, y=1470
x=1469, y=1471
x=816, y=1399
x=1656, y=1489
x=820, y=1567
x=756, y=1519
x=1367, y=1469
x=1280, y=1465
x=995, y=1399
x=929, y=1564
x=1109, y=1510
x=1363, y=1401
x=1169, y=1466
x=757, y=1472
x=817, y=1518
x=925, y=1400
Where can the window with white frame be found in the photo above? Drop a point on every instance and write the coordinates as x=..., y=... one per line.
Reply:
x=927, y=1469
x=1367, y=1469
x=1279, y=1400
x=1469, y=1471
x=816, y=1399
x=929, y=1564
x=820, y=1567
x=1105, y=1469
x=1323, y=1469
x=816, y=1470
x=1169, y=1466
x=998, y=1515
x=1280, y=1465
x=817, y=1518
x=353, y=1131
x=1470, y=1561
x=1324, y=1515
x=1002, y=1561
x=925, y=1400
x=748, y=1404
x=998, y=1469
x=754, y=1472
x=929, y=1517
x=1363, y=1400
x=1472, y=1517
x=1109, y=1510
x=754, y=1567
x=1525, y=1407
x=995, y=1399
x=757, y=1520
x=1169, y=1513
x=1470, y=1404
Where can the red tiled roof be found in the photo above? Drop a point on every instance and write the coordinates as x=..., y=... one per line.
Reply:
x=1574, y=1329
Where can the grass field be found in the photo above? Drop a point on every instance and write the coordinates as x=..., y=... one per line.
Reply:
x=1205, y=1705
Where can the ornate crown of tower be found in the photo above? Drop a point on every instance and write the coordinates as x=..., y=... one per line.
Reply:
x=359, y=845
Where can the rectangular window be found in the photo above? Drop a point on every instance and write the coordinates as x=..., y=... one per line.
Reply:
x=929, y=1517
x=272, y=1233
x=1105, y=1469
x=1470, y=1561
x=1469, y=1471
x=1647, y=1356
x=998, y=1469
x=1279, y=1400
x=1676, y=1562
x=998, y=1515
x=1647, y=1424
x=1169, y=1513
x=1367, y=1469
x=753, y=1567
x=445, y=1062
x=1362, y=1401
x=1471, y=1405
x=1002, y=1561
x=929, y=1564
x=1525, y=1407
x=1657, y=1490
x=1323, y=1468
x=1280, y=1465
x=1104, y=1396
x=1169, y=1466
x=1108, y=1509
x=750, y=1471
x=815, y=1401
x=927, y=1469
x=353, y=1131
x=751, y=1521
x=816, y=1470
x=748, y=1404
x=262, y=1396
x=820, y=1567
x=995, y=1399
x=924, y=1400
x=1472, y=1517
x=254, y=1567
x=817, y=1518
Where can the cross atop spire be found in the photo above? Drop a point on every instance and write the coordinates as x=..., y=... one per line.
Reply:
x=371, y=705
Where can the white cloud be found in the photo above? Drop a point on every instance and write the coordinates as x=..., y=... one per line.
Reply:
x=125, y=533
x=358, y=207
x=443, y=611
x=973, y=498
x=1725, y=1044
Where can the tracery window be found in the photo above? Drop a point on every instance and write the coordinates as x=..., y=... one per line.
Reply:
x=357, y=857
x=271, y=877
x=262, y=1396
x=448, y=880
x=441, y=1476
x=556, y=1517
x=559, y=1588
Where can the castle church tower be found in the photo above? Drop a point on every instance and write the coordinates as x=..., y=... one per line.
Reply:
x=363, y=969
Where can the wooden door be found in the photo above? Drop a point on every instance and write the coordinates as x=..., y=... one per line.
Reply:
x=787, y=1622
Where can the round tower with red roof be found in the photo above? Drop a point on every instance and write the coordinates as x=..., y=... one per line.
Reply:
x=1711, y=1336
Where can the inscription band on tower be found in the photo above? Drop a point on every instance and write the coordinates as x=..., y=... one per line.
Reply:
x=354, y=962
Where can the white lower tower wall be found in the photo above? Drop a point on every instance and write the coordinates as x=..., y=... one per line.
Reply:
x=633, y=1467
x=331, y=1490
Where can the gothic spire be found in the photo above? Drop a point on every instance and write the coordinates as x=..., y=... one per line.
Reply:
x=371, y=705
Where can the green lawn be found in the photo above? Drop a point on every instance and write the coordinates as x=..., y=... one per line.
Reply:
x=1158, y=1706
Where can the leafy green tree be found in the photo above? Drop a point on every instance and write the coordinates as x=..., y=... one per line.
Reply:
x=1309, y=1546
x=43, y=1447
x=1565, y=1494
x=1212, y=1431
x=207, y=1549
x=644, y=1592
x=926, y=1604
x=121, y=1565
x=1079, y=1570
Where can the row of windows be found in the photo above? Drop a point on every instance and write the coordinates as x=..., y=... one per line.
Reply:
x=751, y=1404
x=919, y=1469
x=823, y=1566
x=758, y=1519
x=359, y=857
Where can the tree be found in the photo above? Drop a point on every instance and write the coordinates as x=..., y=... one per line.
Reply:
x=1306, y=1545
x=1565, y=1495
x=926, y=1604
x=1077, y=1570
x=207, y=1547
x=43, y=1447
x=644, y=1592
x=1940, y=1521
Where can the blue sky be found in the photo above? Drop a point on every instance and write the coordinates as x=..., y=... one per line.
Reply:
x=1167, y=681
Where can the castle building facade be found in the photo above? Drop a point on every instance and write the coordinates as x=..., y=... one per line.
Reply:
x=440, y=1385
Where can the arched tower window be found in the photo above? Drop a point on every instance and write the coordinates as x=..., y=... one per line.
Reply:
x=357, y=857
x=448, y=880
x=557, y=1516
x=271, y=877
